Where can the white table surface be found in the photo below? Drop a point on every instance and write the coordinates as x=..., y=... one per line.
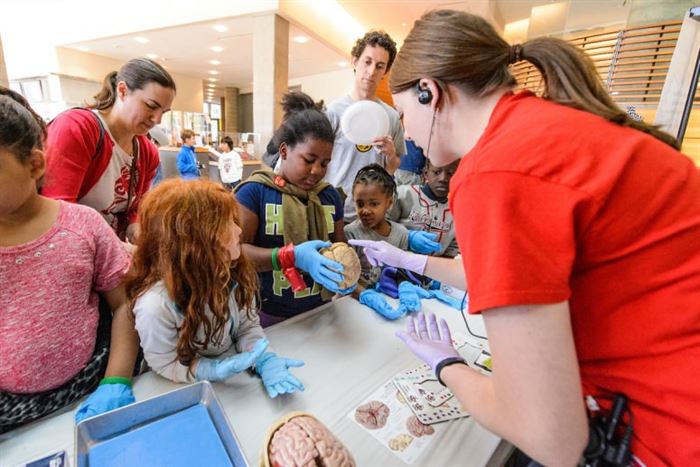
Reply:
x=349, y=352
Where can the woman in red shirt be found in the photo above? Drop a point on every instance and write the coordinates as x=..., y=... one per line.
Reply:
x=91, y=152
x=579, y=232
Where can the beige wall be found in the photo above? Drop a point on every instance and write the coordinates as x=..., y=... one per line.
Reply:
x=93, y=67
x=327, y=86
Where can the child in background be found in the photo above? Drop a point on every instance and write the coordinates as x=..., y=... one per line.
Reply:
x=424, y=207
x=298, y=209
x=187, y=165
x=373, y=191
x=192, y=291
x=55, y=258
x=230, y=164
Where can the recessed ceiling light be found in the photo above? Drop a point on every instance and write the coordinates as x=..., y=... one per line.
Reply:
x=211, y=85
x=141, y=40
x=301, y=39
x=343, y=63
x=82, y=48
x=403, y=24
x=152, y=56
x=213, y=72
x=213, y=79
x=219, y=28
x=215, y=62
x=216, y=48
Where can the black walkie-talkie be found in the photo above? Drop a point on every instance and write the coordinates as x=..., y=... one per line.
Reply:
x=608, y=446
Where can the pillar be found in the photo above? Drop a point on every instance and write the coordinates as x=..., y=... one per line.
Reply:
x=270, y=75
x=4, y=81
x=230, y=110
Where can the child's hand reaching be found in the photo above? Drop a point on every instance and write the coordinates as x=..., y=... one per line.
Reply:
x=219, y=370
x=423, y=242
x=275, y=374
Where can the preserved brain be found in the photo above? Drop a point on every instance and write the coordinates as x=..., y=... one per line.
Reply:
x=372, y=415
x=300, y=440
x=345, y=255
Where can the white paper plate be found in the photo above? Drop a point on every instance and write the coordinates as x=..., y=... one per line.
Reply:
x=363, y=121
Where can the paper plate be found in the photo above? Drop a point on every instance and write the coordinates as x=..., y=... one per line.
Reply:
x=363, y=121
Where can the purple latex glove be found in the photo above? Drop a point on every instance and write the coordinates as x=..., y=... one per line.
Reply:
x=382, y=253
x=426, y=341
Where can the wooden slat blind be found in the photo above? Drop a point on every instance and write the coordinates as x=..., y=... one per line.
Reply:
x=632, y=62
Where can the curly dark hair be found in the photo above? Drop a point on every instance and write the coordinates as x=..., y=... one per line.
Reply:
x=375, y=174
x=374, y=39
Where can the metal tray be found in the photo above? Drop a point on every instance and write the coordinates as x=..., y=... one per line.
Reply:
x=94, y=431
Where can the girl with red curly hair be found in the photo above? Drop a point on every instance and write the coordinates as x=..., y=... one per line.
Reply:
x=193, y=293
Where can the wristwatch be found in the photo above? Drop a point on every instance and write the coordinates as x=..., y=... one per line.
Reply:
x=447, y=362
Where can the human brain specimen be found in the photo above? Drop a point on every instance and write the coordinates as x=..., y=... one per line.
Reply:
x=345, y=255
x=300, y=440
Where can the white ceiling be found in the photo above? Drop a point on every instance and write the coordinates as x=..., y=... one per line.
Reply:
x=187, y=49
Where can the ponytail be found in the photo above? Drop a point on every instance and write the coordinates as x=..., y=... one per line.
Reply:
x=474, y=58
x=571, y=79
x=105, y=98
x=136, y=73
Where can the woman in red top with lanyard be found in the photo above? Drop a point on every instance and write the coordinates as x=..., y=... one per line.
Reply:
x=579, y=233
x=91, y=151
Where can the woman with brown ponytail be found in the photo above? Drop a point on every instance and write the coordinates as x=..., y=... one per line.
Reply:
x=579, y=233
x=100, y=156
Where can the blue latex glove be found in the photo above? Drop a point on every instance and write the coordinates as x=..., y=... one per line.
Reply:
x=218, y=370
x=105, y=398
x=323, y=270
x=377, y=301
x=349, y=290
x=423, y=242
x=446, y=299
x=410, y=296
x=275, y=374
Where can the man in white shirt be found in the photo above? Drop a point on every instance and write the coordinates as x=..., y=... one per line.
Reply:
x=372, y=57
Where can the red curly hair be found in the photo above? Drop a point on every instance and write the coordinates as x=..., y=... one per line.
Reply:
x=185, y=230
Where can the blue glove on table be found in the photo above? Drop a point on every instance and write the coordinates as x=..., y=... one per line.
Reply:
x=275, y=374
x=410, y=296
x=377, y=301
x=446, y=299
x=108, y=396
x=423, y=242
x=219, y=370
x=323, y=270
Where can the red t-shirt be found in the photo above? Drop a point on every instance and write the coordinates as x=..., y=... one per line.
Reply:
x=101, y=182
x=557, y=204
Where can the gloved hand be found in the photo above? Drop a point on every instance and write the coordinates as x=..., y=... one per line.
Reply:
x=410, y=296
x=426, y=341
x=377, y=301
x=382, y=253
x=323, y=270
x=275, y=374
x=423, y=242
x=349, y=290
x=219, y=370
x=107, y=396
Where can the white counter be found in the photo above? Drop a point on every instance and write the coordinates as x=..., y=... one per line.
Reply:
x=349, y=352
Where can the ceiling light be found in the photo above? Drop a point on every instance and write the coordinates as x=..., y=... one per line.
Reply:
x=301, y=39
x=152, y=56
x=403, y=24
x=211, y=85
x=213, y=72
x=213, y=79
x=82, y=48
x=343, y=63
x=141, y=40
x=216, y=48
x=219, y=28
x=215, y=62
